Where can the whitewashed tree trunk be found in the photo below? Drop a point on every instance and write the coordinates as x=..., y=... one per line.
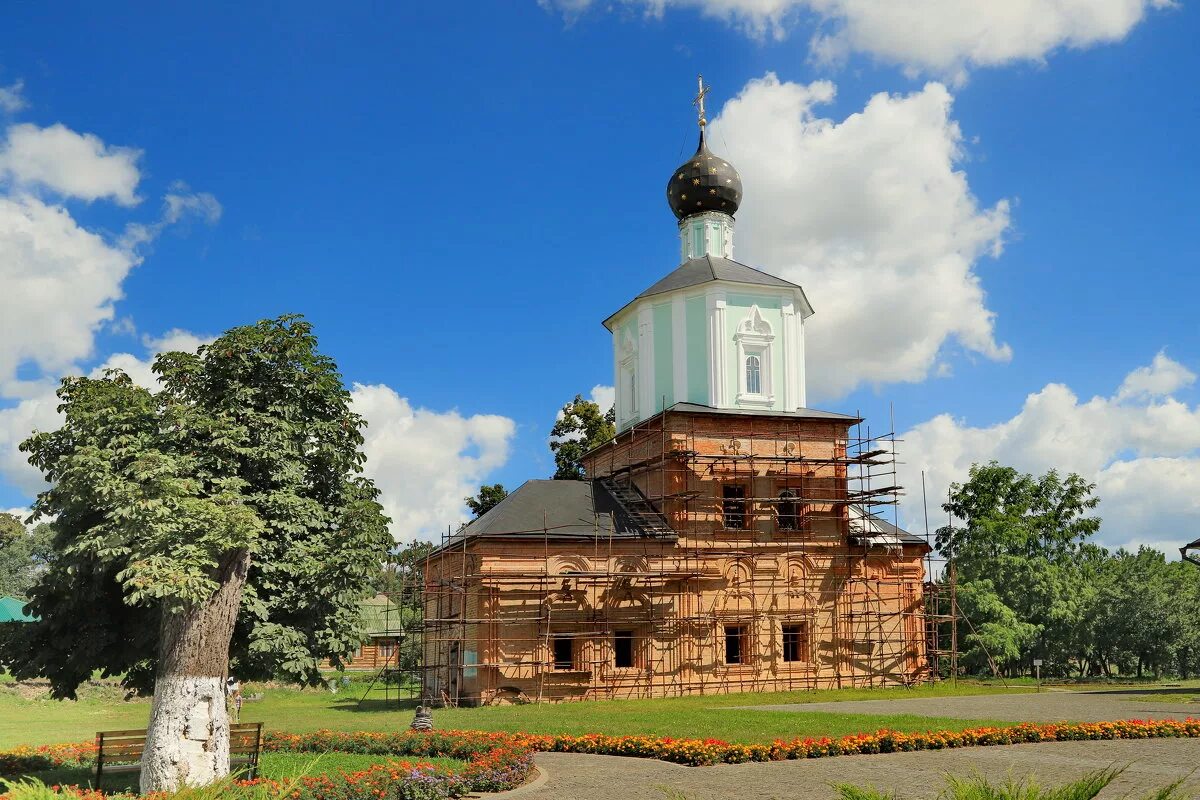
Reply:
x=187, y=740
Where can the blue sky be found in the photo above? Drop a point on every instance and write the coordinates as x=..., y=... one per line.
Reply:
x=457, y=196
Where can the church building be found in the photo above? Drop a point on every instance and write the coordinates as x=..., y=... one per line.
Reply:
x=728, y=539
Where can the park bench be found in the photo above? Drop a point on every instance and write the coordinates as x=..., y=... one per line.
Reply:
x=121, y=751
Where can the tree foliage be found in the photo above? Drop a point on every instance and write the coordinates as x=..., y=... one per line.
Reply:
x=24, y=554
x=403, y=573
x=248, y=449
x=580, y=427
x=488, y=498
x=1032, y=586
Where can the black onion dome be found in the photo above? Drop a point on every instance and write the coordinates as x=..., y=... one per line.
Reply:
x=704, y=183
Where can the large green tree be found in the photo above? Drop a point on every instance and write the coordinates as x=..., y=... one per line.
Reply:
x=221, y=515
x=1027, y=537
x=580, y=427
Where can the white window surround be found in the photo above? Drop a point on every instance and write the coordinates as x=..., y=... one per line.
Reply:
x=754, y=337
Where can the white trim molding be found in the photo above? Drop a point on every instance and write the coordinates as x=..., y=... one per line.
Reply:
x=679, y=376
x=648, y=400
x=792, y=392
x=715, y=303
x=627, y=382
x=753, y=338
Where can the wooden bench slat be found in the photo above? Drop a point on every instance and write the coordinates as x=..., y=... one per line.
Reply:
x=122, y=768
x=127, y=748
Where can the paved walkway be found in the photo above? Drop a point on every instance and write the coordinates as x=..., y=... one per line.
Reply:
x=1050, y=706
x=1153, y=763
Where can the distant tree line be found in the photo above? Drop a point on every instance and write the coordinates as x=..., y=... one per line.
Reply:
x=1031, y=584
x=24, y=555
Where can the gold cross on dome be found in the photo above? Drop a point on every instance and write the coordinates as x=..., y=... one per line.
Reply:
x=698, y=102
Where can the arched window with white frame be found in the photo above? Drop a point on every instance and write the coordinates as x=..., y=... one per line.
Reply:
x=753, y=374
x=754, y=337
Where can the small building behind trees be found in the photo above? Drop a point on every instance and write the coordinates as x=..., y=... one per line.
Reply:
x=388, y=635
x=12, y=609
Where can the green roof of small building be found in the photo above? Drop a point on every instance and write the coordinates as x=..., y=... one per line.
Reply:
x=13, y=610
x=382, y=617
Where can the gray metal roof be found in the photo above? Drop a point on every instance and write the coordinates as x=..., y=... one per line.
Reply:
x=799, y=413
x=1187, y=552
x=877, y=530
x=557, y=510
x=708, y=268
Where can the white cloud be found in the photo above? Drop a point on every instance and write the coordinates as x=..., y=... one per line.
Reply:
x=874, y=217
x=948, y=37
x=178, y=205
x=425, y=462
x=1143, y=453
x=16, y=424
x=60, y=283
x=938, y=37
x=181, y=202
x=1163, y=377
x=11, y=99
x=76, y=165
x=604, y=396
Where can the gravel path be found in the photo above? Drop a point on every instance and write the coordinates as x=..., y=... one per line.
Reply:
x=1153, y=763
x=1050, y=706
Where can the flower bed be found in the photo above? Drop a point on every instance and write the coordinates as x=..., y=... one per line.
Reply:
x=697, y=752
x=500, y=761
x=47, y=756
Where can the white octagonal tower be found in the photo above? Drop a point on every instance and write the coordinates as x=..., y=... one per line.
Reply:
x=714, y=332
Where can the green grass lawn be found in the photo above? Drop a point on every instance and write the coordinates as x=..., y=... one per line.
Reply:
x=280, y=766
x=25, y=719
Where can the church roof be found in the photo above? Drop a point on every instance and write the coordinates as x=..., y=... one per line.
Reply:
x=557, y=510
x=872, y=529
x=13, y=610
x=708, y=268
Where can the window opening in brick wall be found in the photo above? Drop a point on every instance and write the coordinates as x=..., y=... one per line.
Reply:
x=564, y=653
x=787, y=510
x=795, y=641
x=623, y=648
x=734, y=506
x=737, y=643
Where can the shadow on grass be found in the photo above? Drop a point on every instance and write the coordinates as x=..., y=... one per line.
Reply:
x=374, y=705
